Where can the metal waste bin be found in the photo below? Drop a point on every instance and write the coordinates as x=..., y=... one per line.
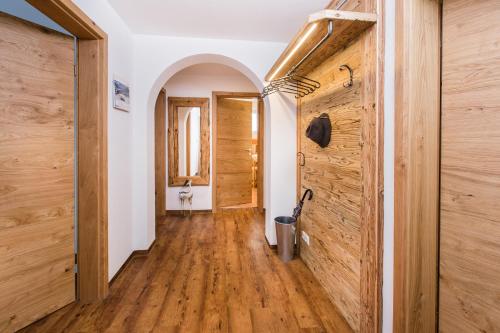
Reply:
x=285, y=233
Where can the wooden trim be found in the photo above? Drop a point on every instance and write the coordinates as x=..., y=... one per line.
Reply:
x=416, y=183
x=173, y=141
x=144, y=252
x=274, y=247
x=175, y=212
x=348, y=26
x=92, y=278
x=133, y=255
x=260, y=158
x=70, y=17
x=332, y=14
x=188, y=145
x=370, y=224
x=372, y=156
x=160, y=155
x=215, y=96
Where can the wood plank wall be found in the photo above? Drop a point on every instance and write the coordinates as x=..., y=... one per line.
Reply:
x=344, y=218
x=469, y=288
x=416, y=169
x=332, y=218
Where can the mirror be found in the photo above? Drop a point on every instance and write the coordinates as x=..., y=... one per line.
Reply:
x=188, y=146
x=189, y=140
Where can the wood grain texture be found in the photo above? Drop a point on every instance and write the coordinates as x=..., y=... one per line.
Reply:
x=347, y=26
x=92, y=145
x=92, y=171
x=173, y=141
x=36, y=172
x=261, y=158
x=207, y=273
x=469, y=289
x=69, y=16
x=234, y=146
x=372, y=170
x=417, y=130
x=160, y=153
x=366, y=161
x=332, y=219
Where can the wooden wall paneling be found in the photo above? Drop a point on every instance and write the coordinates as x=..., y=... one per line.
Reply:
x=332, y=218
x=372, y=130
x=371, y=165
x=173, y=141
x=93, y=112
x=37, y=194
x=160, y=153
x=469, y=288
x=417, y=130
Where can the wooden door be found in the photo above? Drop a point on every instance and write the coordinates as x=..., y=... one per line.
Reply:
x=469, y=284
x=36, y=172
x=233, y=154
x=160, y=151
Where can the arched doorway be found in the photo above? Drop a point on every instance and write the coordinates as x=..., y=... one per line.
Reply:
x=168, y=75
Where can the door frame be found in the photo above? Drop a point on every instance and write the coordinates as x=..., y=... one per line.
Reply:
x=92, y=258
x=160, y=157
x=260, y=145
x=417, y=165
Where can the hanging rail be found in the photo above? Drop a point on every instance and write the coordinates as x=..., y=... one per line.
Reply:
x=295, y=84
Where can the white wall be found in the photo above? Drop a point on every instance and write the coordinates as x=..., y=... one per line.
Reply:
x=158, y=58
x=146, y=63
x=281, y=149
x=388, y=258
x=120, y=159
x=198, y=81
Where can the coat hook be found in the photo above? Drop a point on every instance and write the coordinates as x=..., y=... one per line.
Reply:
x=302, y=158
x=350, y=83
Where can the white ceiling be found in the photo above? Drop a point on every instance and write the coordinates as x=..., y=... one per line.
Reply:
x=258, y=20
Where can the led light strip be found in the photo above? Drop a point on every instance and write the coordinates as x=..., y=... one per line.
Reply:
x=299, y=44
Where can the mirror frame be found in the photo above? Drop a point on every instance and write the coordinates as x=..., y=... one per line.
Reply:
x=173, y=141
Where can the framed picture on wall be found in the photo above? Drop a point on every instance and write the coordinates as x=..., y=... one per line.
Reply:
x=121, y=96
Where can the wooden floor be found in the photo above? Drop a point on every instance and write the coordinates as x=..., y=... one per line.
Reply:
x=206, y=273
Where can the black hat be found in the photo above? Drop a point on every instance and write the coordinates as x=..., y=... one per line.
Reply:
x=320, y=130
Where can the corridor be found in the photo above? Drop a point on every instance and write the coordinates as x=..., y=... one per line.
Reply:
x=206, y=273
